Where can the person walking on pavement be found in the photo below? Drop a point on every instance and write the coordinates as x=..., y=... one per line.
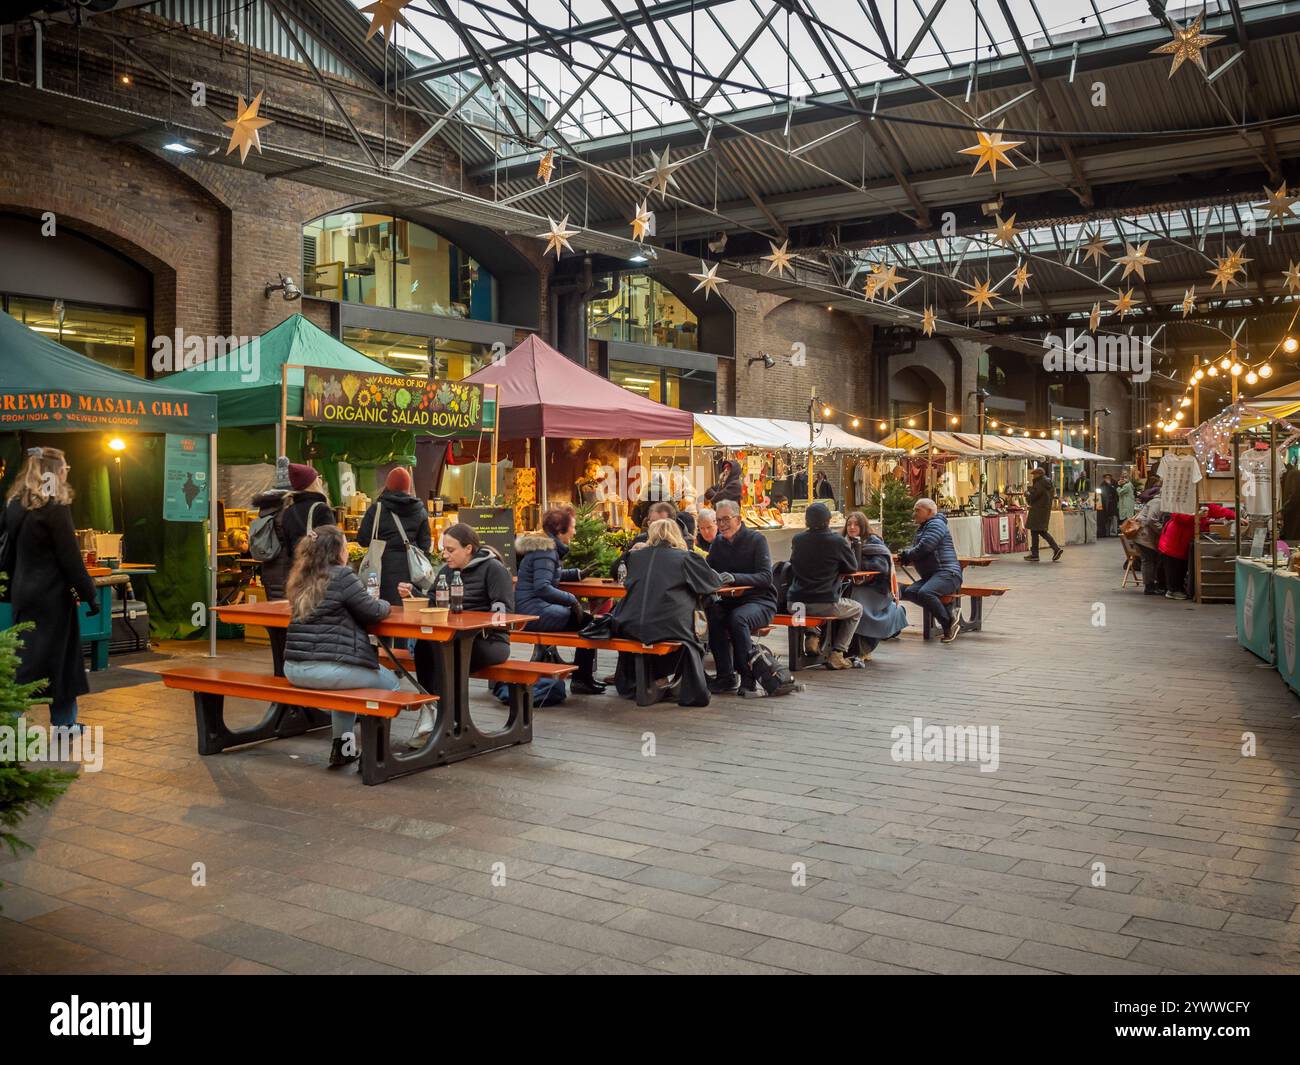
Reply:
x=1039, y=498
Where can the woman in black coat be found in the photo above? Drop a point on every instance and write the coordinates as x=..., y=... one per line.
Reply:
x=310, y=507
x=396, y=504
x=45, y=569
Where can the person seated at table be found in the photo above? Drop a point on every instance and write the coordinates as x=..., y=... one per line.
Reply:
x=654, y=513
x=327, y=645
x=309, y=508
x=883, y=616
x=489, y=588
x=396, y=507
x=272, y=503
x=665, y=583
x=819, y=560
x=739, y=556
x=706, y=529
x=935, y=558
x=540, y=569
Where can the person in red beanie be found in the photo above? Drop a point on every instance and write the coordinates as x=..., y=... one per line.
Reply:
x=310, y=507
x=402, y=519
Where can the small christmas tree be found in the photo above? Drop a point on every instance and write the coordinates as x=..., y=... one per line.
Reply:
x=22, y=787
x=897, y=526
x=591, y=545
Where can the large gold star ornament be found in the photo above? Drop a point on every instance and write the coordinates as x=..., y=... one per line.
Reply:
x=780, y=259
x=1279, y=203
x=1224, y=273
x=1292, y=277
x=1004, y=232
x=244, y=128
x=1124, y=304
x=384, y=15
x=990, y=151
x=927, y=322
x=1189, y=301
x=661, y=174
x=1094, y=317
x=1187, y=44
x=1238, y=259
x=869, y=289
x=1095, y=248
x=981, y=295
x=1021, y=280
x=1136, y=260
x=708, y=278
x=546, y=166
x=886, y=279
x=558, y=235
x=643, y=222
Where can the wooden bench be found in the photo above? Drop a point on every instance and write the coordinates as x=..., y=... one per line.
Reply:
x=797, y=629
x=976, y=595
x=646, y=694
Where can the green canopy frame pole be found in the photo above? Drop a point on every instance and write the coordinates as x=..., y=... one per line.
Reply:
x=212, y=545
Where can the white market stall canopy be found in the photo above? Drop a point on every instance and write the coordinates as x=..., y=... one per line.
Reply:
x=968, y=445
x=774, y=434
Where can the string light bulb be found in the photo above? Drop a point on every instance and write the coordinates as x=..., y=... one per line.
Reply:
x=1252, y=377
x=826, y=412
x=1213, y=371
x=911, y=423
x=994, y=423
x=884, y=427
x=856, y=423
x=953, y=420
x=1198, y=375
x=1266, y=370
x=1236, y=369
x=1290, y=345
x=1187, y=402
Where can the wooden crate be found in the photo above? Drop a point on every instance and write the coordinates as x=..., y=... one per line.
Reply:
x=1215, y=570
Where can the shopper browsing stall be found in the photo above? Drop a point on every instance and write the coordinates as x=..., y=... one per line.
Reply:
x=403, y=521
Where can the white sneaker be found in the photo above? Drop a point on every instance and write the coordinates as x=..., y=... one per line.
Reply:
x=423, y=727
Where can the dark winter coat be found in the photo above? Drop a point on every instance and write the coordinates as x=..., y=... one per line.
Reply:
x=1290, y=531
x=295, y=517
x=487, y=583
x=932, y=550
x=276, y=572
x=747, y=558
x=819, y=559
x=48, y=569
x=883, y=617
x=395, y=507
x=1039, y=498
x=539, y=570
x=728, y=486
x=825, y=490
x=337, y=630
x=1109, y=499
x=664, y=586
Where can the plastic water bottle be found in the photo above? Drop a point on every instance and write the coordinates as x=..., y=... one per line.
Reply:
x=457, y=593
x=441, y=594
x=372, y=585
x=621, y=575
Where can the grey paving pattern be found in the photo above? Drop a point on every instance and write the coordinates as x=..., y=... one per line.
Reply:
x=762, y=836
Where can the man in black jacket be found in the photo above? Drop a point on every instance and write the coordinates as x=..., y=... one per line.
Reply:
x=739, y=556
x=819, y=559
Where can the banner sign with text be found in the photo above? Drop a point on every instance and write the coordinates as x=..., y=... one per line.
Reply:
x=394, y=401
x=185, y=478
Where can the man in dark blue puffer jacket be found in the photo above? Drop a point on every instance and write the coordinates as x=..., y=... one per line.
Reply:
x=935, y=558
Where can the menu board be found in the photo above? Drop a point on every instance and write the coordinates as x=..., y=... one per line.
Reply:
x=394, y=401
x=495, y=527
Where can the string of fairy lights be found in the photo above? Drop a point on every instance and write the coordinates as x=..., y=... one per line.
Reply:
x=947, y=421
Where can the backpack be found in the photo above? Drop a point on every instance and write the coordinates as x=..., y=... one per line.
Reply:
x=782, y=575
x=773, y=677
x=264, y=542
x=549, y=691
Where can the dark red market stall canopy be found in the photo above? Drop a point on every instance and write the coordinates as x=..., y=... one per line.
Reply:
x=542, y=393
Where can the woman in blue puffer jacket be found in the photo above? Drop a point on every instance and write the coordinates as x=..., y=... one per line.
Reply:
x=540, y=570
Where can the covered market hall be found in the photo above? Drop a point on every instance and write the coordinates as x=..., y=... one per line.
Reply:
x=629, y=487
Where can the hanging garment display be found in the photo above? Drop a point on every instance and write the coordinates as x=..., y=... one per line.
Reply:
x=1179, y=475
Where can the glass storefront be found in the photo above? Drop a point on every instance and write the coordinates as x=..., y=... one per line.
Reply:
x=112, y=338
x=408, y=353
x=693, y=390
x=642, y=311
x=382, y=261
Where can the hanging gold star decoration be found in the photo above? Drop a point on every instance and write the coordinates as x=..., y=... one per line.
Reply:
x=1094, y=317
x=708, y=279
x=1021, y=280
x=1124, y=304
x=1136, y=260
x=661, y=174
x=1224, y=273
x=780, y=258
x=1292, y=277
x=546, y=166
x=927, y=321
x=1189, y=301
x=1004, y=232
x=1187, y=44
x=886, y=279
x=990, y=151
x=1095, y=248
x=384, y=15
x=1279, y=203
x=641, y=223
x=981, y=295
x=244, y=128
x=558, y=235
x=1238, y=259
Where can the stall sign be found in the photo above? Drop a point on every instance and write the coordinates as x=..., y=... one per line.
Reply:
x=395, y=401
x=495, y=527
x=185, y=478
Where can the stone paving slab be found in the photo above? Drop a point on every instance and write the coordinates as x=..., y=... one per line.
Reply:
x=762, y=836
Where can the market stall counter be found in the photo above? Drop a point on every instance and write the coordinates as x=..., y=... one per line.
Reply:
x=1286, y=608
x=1255, y=614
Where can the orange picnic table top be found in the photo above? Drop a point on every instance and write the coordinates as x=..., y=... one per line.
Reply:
x=409, y=621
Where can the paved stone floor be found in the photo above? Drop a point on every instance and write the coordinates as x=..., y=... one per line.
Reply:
x=1119, y=743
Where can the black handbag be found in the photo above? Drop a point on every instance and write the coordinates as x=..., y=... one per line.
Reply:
x=600, y=627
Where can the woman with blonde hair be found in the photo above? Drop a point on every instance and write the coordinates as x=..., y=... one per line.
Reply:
x=46, y=578
x=327, y=645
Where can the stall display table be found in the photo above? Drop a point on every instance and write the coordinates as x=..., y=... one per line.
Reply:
x=1003, y=533
x=967, y=534
x=1255, y=615
x=1286, y=610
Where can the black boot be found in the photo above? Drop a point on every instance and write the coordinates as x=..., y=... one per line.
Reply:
x=587, y=685
x=337, y=758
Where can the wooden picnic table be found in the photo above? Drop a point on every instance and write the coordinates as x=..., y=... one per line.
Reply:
x=604, y=588
x=442, y=665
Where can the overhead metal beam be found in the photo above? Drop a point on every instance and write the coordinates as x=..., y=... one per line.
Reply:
x=1254, y=92
x=437, y=126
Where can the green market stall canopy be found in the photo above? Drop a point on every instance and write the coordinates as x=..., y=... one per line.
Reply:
x=46, y=387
